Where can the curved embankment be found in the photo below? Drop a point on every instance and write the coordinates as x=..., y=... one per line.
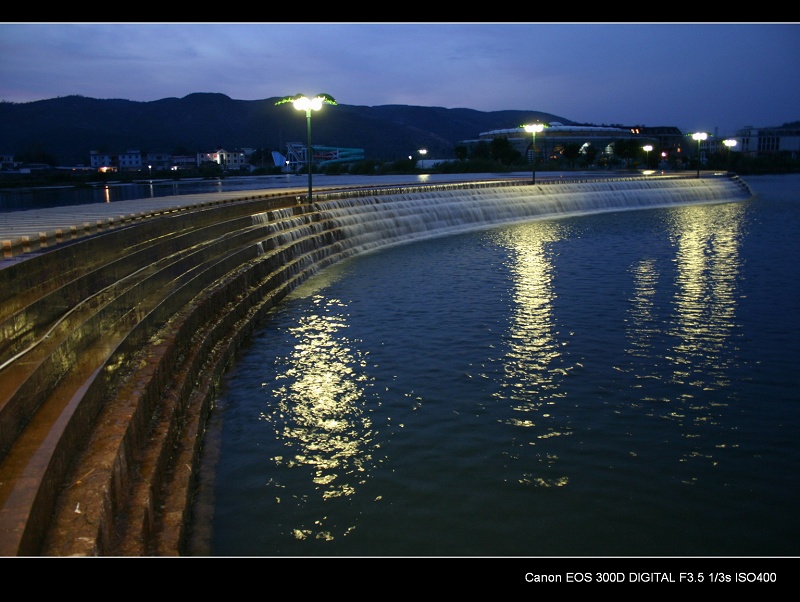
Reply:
x=112, y=345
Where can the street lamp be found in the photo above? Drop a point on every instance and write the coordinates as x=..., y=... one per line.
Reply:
x=532, y=129
x=699, y=136
x=422, y=152
x=303, y=103
x=730, y=144
x=150, y=167
x=647, y=148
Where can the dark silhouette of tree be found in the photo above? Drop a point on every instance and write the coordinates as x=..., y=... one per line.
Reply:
x=36, y=154
x=502, y=151
x=481, y=151
x=571, y=152
x=590, y=154
x=627, y=150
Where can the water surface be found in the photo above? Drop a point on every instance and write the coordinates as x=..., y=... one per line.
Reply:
x=604, y=385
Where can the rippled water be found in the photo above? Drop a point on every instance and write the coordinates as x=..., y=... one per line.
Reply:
x=618, y=384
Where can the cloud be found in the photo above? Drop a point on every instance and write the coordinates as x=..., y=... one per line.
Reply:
x=693, y=76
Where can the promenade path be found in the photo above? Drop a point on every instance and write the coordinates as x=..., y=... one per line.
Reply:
x=37, y=229
x=30, y=230
x=25, y=231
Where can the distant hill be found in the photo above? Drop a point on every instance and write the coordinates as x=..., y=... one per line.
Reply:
x=68, y=127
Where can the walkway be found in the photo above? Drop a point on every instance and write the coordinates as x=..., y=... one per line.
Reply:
x=26, y=231
x=34, y=229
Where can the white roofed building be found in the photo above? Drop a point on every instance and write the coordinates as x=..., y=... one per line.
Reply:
x=555, y=136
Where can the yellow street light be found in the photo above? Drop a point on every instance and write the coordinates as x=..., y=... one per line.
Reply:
x=303, y=103
x=730, y=144
x=532, y=129
x=422, y=152
x=699, y=136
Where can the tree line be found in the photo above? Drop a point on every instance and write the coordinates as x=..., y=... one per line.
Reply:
x=495, y=156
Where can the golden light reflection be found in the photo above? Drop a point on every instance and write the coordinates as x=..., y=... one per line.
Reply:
x=699, y=319
x=533, y=363
x=708, y=264
x=317, y=407
x=643, y=324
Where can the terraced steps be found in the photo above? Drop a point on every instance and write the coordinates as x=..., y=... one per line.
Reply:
x=98, y=368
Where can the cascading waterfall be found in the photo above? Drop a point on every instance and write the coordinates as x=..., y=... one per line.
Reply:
x=372, y=222
x=300, y=240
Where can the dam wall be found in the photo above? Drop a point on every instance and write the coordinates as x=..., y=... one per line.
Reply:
x=112, y=345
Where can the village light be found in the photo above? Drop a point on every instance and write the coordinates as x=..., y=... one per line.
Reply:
x=303, y=103
x=699, y=136
x=532, y=129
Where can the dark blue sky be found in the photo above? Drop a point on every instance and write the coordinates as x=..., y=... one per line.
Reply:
x=695, y=76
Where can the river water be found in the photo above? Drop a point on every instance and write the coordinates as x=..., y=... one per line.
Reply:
x=623, y=384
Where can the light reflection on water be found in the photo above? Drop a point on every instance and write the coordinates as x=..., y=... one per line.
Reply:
x=604, y=385
x=317, y=410
x=533, y=364
x=707, y=260
x=679, y=358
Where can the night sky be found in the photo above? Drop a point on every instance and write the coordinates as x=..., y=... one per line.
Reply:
x=694, y=76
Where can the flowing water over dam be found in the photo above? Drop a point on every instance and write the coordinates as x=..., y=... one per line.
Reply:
x=378, y=221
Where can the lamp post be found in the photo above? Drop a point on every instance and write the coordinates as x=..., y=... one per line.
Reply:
x=647, y=148
x=532, y=129
x=150, y=167
x=422, y=152
x=699, y=136
x=730, y=144
x=303, y=103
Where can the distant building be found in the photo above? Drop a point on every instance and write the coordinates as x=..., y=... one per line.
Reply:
x=134, y=161
x=669, y=142
x=552, y=140
x=673, y=146
x=296, y=158
x=235, y=160
x=129, y=161
x=7, y=162
x=768, y=141
x=182, y=162
x=157, y=161
x=103, y=161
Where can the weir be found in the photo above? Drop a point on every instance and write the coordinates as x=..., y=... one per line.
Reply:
x=112, y=345
x=377, y=221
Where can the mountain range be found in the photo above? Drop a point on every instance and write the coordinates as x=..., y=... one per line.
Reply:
x=67, y=128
